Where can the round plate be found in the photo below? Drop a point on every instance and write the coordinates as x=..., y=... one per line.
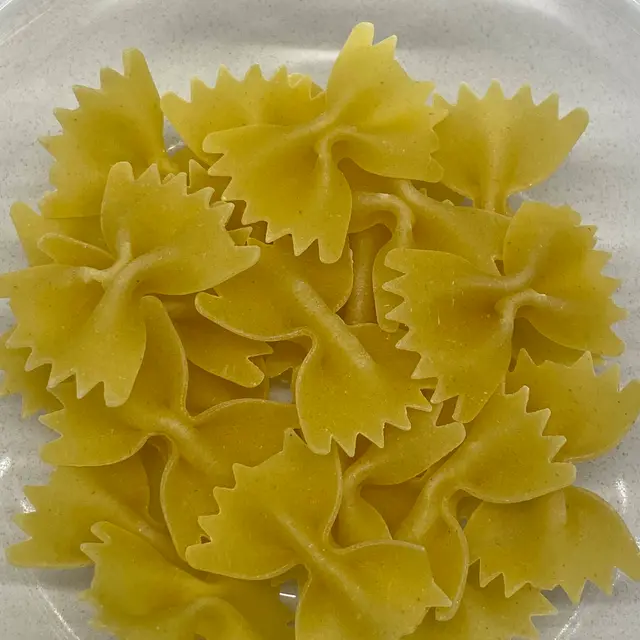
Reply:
x=586, y=50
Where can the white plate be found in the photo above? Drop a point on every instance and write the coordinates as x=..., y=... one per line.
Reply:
x=588, y=51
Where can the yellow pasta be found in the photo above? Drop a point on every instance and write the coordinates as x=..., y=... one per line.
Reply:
x=121, y=121
x=204, y=449
x=154, y=458
x=371, y=109
x=283, y=100
x=393, y=502
x=206, y=390
x=417, y=221
x=214, y=349
x=587, y=409
x=405, y=455
x=160, y=240
x=461, y=324
x=286, y=355
x=73, y=501
x=199, y=179
x=291, y=350
x=542, y=543
x=141, y=595
x=32, y=227
x=505, y=458
x=284, y=297
x=31, y=385
x=486, y=614
x=365, y=247
x=539, y=348
x=264, y=529
x=492, y=147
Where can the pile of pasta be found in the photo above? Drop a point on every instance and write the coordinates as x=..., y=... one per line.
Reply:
x=356, y=245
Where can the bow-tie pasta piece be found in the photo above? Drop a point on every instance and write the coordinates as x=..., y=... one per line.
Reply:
x=494, y=146
x=284, y=297
x=505, y=458
x=140, y=595
x=461, y=319
x=417, y=221
x=214, y=349
x=289, y=176
x=589, y=410
x=83, y=314
x=562, y=539
x=94, y=434
x=121, y=121
x=486, y=614
x=405, y=455
x=279, y=515
x=203, y=448
x=73, y=501
x=32, y=227
x=243, y=432
x=285, y=99
x=528, y=471
x=31, y=385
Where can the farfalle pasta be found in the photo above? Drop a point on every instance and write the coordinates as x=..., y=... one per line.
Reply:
x=210, y=347
x=418, y=221
x=285, y=297
x=463, y=323
x=173, y=244
x=264, y=530
x=288, y=173
x=120, y=122
x=406, y=455
x=551, y=550
x=493, y=147
x=315, y=343
x=283, y=100
x=203, y=449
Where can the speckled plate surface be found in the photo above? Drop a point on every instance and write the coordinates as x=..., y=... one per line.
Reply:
x=587, y=50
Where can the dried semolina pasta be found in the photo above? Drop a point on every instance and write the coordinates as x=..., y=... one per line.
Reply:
x=419, y=222
x=487, y=614
x=313, y=343
x=120, y=122
x=264, y=530
x=214, y=349
x=285, y=297
x=371, y=110
x=462, y=324
x=492, y=147
x=284, y=100
x=405, y=455
x=174, y=244
x=551, y=549
x=243, y=431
